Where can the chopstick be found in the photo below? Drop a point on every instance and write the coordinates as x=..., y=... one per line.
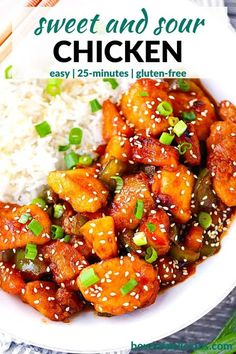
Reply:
x=6, y=33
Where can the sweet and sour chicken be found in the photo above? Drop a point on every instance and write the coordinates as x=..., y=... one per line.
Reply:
x=114, y=229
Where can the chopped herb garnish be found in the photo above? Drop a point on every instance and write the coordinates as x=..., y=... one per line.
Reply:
x=57, y=232
x=205, y=220
x=140, y=239
x=119, y=183
x=184, y=85
x=151, y=255
x=85, y=160
x=35, y=227
x=143, y=94
x=184, y=147
x=165, y=109
x=66, y=238
x=43, y=129
x=151, y=227
x=189, y=116
x=75, y=136
x=31, y=251
x=139, y=209
x=8, y=72
x=24, y=218
x=58, y=211
x=114, y=84
x=39, y=202
x=71, y=160
x=88, y=277
x=62, y=148
x=128, y=287
x=180, y=128
x=95, y=106
x=166, y=138
x=173, y=121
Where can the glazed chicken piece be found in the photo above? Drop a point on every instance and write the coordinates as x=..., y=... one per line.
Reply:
x=192, y=156
x=64, y=260
x=80, y=188
x=11, y=280
x=22, y=225
x=113, y=123
x=173, y=189
x=227, y=112
x=150, y=151
x=156, y=229
x=197, y=102
x=57, y=305
x=109, y=294
x=194, y=238
x=135, y=190
x=100, y=235
x=119, y=148
x=139, y=105
x=219, y=130
x=222, y=161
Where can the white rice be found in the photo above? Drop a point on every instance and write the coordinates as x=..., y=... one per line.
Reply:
x=25, y=158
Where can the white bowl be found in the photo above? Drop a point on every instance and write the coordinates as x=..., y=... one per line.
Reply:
x=175, y=309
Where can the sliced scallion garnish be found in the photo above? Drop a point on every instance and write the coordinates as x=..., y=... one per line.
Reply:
x=31, y=251
x=128, y=287
x=119, y=183
x=95, y=106
x=43, y=129
x=114, y=84
x=139, y=209
x=151, y=255
x=140, y=238
x=88, y=277
x=35, y=227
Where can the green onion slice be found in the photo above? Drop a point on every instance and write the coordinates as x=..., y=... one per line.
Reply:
x=205, y=220
x=184, y=85
x=189, y=116
x=95, y=106
x=75, y=136
x=184, y=147
x=166, y=138
x=43, y=129
x=57, y=232
x=66, y=238
x=139, y=209
x=62, y=148
x=128, y=287
x=143, y=94
x=180, y=128
x=58, y=211
x=88, y=277
x=114, y=84
x=8, y=72
x=85, y=160
x=35, y=227
x=54, y=81
x=53, y=90
x=119, y=183
x=24, y=218
x=39, y=202
x=151, y=227
x=173, y=121
x=71, y=160
x=165, y=108
x=31, y=251
x=140, y=239
x=151, y=255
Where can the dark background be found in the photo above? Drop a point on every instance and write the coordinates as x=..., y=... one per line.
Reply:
x=207, y=328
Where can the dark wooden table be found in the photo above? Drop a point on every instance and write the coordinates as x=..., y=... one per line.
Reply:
x=204, y=330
